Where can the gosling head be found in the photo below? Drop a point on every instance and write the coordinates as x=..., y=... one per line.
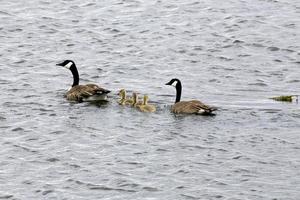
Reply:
x=67, y=64
x=174, y=82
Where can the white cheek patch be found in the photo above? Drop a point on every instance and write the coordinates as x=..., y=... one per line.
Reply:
x=174, y=83
x=68, y=65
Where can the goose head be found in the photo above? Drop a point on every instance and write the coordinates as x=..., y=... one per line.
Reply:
x=67, y=64
x=174, y=82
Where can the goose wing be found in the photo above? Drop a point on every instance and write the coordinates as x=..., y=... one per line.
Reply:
x=97, y=89
x=192, y=107
x=80, y=92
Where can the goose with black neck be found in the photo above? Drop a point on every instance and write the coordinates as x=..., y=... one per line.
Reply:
x=188, y=107
x=80, y=93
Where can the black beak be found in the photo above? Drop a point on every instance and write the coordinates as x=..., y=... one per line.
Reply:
x=168, y=83
x=61, y=64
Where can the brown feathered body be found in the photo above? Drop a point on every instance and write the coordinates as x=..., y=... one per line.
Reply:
x=88, y=92
x=191, y=107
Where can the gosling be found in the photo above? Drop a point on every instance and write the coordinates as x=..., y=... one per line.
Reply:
x=136, y=101
x=124, y=100
x=145, y=107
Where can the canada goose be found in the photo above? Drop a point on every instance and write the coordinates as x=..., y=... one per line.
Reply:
x=136, y=101
x=145, y=107
x=188, y=107
x=80, y=93
x=124, y=101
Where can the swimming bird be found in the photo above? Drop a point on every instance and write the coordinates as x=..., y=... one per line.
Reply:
x=124, y=100
x=80, y=93
x=145, y=107
x=188, y=107
x=136, y=101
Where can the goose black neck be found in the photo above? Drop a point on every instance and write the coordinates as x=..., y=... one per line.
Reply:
x=178, y=91
x=75, y=75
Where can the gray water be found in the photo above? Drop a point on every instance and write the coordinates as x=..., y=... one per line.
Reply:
x=231, y=54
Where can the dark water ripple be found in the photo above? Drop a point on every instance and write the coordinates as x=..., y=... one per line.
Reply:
x=234, y=55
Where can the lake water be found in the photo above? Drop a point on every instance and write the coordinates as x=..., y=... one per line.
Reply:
x=231, y=54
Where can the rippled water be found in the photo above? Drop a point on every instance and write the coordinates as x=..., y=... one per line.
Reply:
x=232, y=54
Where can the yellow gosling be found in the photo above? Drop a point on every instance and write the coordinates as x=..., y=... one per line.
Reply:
x=145, y=107
x=136, y=101
x=123, y=99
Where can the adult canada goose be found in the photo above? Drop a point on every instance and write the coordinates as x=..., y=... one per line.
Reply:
x=145, y=107
x=188, y=107
x=124, y=100
x=136, y=101
x=80, y=93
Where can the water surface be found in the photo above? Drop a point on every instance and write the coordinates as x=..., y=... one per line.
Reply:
x=233, y=54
